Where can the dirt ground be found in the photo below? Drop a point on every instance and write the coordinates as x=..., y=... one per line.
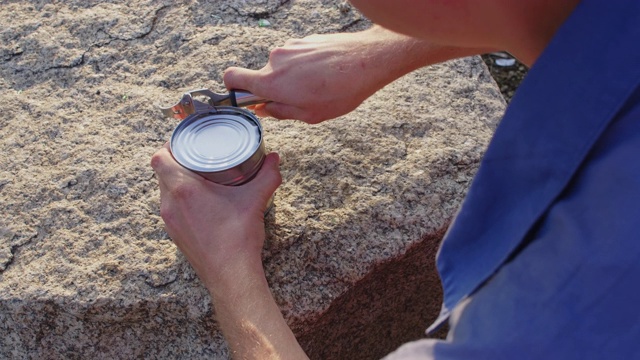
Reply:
x=507, y=77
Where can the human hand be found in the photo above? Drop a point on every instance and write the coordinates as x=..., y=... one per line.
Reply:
x=322, y=77
x=214, y=226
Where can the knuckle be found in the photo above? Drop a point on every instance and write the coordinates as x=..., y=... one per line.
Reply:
x=228, y=74
x=183, y=192
x=277, y=52
x=156, y=160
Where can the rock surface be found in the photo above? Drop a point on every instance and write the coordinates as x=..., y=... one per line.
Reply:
x=86, y=270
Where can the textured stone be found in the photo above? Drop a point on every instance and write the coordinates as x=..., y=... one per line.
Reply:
x=86, y=270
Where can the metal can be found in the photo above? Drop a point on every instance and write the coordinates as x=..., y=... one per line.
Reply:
x=224, y=144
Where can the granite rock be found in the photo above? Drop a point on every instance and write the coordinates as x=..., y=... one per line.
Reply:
x=86, y=269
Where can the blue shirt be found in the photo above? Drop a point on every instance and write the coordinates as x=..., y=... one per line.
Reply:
x=543, y=259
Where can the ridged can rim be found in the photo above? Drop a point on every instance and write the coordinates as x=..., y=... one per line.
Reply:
x=224, y=145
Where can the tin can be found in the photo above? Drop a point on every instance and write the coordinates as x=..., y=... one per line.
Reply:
x=224, y=144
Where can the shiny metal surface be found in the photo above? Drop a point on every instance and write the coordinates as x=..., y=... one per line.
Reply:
x=224, y=145
x=189, y=105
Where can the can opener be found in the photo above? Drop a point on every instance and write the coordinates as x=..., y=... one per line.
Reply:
x=188, y=105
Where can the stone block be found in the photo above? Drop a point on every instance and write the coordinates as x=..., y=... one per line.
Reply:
x=86, y=270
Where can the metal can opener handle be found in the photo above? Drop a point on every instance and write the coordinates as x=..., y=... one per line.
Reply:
x=188, y=105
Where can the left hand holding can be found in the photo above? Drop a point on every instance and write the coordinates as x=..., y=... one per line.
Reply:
x=220, y=230
x=214, y=226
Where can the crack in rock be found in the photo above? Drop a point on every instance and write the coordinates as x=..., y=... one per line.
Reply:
x=74, y=63
x=81, y=60
x=11, y=55
x=262, y=12
x=144, y=34
x=7, y=256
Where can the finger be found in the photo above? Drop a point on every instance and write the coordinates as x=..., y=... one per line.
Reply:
x=245, y=79
x=166, y=166
x=259, y=110
x=283, y=112
x=159, y=158
x=268, y=179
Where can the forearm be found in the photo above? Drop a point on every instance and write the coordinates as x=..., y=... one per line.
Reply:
x=322, y=77
x=249, y=318
x=220, y=230
x=396, y=54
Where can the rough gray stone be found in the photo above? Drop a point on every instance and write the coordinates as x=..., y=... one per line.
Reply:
x=86, y=270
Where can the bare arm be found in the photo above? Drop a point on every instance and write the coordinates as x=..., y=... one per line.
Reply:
x=250, y=319
x=322, y=77
x=220, y=230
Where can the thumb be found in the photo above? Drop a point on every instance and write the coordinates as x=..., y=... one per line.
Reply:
x=236, y=78
x=268, y=178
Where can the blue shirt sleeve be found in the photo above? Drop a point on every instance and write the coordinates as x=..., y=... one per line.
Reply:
x=543, y=259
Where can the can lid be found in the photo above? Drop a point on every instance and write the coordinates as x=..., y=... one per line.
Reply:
x=215, y=141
